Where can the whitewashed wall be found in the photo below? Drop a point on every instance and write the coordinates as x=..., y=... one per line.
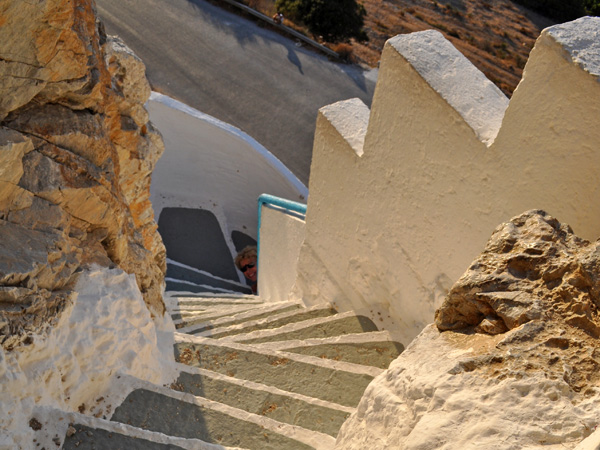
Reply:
x=212, y=165
x=104, y=333
x=281, y=235
x=393, y=222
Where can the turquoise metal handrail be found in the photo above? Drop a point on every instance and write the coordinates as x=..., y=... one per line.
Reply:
x=279, y=202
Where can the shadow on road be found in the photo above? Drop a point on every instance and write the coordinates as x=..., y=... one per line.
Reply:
x=293, y=58
x=214, y=14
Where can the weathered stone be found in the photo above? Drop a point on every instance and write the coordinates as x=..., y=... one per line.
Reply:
x=48, y=50
x=13, y=146
x=129, y=79
x=512, y=361
x=530, y=267
x=40, y=215
x=76, y=155
x=35, y=259
x=80, y=132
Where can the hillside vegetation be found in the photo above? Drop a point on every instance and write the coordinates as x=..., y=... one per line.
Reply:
x=495, y=35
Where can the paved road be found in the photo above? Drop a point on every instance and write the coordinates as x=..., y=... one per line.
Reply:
x=235, y=70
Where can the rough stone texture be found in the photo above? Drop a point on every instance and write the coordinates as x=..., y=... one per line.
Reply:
x=76, y=155
x=532, y=268
x=512, y=360
x=102, y=338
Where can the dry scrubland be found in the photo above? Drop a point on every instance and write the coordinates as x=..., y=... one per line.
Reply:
x=495, y=35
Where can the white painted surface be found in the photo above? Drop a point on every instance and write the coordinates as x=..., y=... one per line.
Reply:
x=479, y=101
x=350, y=118
x=212, y=165
x=425, y=402
x=281, y=235
x=580, y=39
x=107, y=331
x=388, y=233
x=592, y=442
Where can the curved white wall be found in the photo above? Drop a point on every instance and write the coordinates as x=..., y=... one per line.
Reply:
x=212, y=165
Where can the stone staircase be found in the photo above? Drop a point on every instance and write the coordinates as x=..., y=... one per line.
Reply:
x=252, y=375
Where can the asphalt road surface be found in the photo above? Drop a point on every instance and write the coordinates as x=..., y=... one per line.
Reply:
x=236, y=70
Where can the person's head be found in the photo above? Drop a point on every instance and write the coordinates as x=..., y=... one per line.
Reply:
x=246, y=262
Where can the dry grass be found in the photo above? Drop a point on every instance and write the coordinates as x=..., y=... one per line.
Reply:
x=267, y=7
x=345, y=51
x=495, y=35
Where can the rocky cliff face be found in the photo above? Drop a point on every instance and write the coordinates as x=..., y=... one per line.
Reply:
x=76, y=154
x=512, y=360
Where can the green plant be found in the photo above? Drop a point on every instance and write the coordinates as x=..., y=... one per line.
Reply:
x=501, y=53
x=334, y=20
x=293, y=9
x=562, y=10
x=592, y=7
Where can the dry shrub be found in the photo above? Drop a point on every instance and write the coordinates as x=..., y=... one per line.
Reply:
x=267, y=7
x=344, y=50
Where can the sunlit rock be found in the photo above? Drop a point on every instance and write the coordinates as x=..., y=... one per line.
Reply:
x=76, y=152
x=512, y=360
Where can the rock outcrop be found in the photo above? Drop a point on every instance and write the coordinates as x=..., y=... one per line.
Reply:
x=76, y=154
x=512, y=360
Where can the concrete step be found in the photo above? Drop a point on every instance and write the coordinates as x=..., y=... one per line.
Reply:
x=208, y=306
x=270, y=323
x=70, y=431
x=176, y=300
x=86, y=438
x=176, y=284
x=183, y=318
x=376, y=354
x=180, y=306
x=333, y=381
x=307, y=412
x=184, y=415
x=178, y=272
x=334, y=325
x=377, y=349
x=195, y=324
x=256, y=376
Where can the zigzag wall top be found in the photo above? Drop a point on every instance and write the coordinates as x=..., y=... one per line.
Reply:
x=403, y=197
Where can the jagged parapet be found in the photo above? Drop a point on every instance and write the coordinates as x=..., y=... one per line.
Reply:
x=430, y=58
x=442, y=159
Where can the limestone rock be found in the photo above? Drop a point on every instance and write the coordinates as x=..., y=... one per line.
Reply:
x=532, y=268
x=76, y=155
x=50, y=50
x=512, y=361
